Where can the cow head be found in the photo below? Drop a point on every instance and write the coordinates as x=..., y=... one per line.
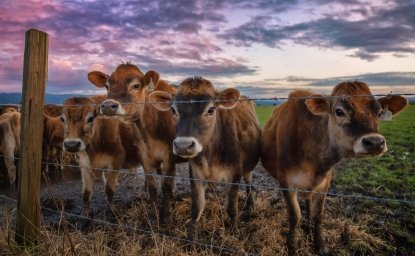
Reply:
x=195, y=122
x=77, y=117
x=126, y=87
x=354, y=115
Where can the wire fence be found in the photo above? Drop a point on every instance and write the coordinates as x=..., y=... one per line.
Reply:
x=140, y=171
x=242, y=99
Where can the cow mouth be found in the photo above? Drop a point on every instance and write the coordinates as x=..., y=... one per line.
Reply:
x=186, y=155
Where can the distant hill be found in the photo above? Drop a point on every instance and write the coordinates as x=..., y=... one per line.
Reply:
x=14, y=98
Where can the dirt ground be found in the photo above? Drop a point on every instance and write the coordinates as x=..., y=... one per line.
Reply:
x=262, y=233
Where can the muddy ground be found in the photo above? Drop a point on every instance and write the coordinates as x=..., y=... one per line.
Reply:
x=346, y=229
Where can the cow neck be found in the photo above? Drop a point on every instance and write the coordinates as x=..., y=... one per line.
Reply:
x=331, y=153
x=222, y=144
x=157, y=124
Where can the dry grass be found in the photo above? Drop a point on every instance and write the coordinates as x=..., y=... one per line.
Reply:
x=261, y=233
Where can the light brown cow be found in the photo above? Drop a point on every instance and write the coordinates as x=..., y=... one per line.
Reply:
x=128, y=89
x=218, y=134
x=100, y=142
x=305, y=138
x=10, y=140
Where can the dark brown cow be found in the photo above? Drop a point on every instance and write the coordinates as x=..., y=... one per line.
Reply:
x=100, y=142
x=218, y=134
x=305, y=138
x=10, y=141
x=128, y=89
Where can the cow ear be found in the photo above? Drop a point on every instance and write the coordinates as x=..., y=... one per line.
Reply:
x=150, y=80
x=393, y=103
x=98, y=78
x=228, y=98
x=317, y=104
x=161, y=100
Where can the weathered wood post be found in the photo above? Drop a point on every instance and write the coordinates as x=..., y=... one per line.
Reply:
x=35, y=69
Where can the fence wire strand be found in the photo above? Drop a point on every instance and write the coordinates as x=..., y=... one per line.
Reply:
x=141, y=172
x=242, y=99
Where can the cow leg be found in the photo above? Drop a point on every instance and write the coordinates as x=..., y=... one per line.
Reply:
x=316, y=211
x=307, y=225
x=198, y=199
x=45, y=154
x=294, y=215
x=10, y=166
x=232, y=203
x=250, y=200
x=150, y=183
x=87, y=187
x=167, y=190
x=111, y=184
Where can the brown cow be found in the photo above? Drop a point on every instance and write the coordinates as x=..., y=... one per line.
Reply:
x=128, y=89
x=52, y=135
x=218, y=134
x=8, y=108
x=100, y=142
x=10, y=141
x=305, y=138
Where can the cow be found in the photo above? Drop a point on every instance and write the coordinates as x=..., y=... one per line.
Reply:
x=127, y=89
x=10, y=140
x=100, y=143
x=309, y=133
x=219, y=133
x=52, y=135
x=8, y=108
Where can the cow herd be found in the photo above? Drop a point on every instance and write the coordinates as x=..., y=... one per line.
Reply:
x=144, y=121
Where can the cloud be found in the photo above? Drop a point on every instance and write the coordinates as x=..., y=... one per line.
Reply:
x=383, y=30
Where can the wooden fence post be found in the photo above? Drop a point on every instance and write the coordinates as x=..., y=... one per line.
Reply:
x=35, y=69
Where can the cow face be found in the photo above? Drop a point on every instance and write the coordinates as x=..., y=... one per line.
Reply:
x=77, y=118
x=195, y=122
x=354, y=118
x=126, y=87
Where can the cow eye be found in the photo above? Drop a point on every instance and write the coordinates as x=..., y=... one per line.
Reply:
x=90, y=120
x=136, y=86
x=339, y=112
x=211, y=111
x=380, y=113
x=62, y=119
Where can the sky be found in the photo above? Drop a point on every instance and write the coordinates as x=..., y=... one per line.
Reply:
x=264, y=48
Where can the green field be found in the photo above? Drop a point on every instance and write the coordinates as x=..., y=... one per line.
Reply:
x=389, y=176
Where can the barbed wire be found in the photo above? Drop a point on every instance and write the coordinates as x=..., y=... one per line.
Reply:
x=242, y=99
x=265, y=187
x=140, y=230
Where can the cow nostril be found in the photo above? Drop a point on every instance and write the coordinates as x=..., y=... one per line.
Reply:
x=114, y=106
x=191, y=145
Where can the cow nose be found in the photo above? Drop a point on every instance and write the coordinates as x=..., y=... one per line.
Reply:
x=374, y=143
x=184, y=144
x=109, y=107
x=72, y=145
x=185, y=147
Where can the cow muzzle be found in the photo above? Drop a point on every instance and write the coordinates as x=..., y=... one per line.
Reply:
x=73, y=145
x=370, y=144
x=111, y=107
x=186, y=147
